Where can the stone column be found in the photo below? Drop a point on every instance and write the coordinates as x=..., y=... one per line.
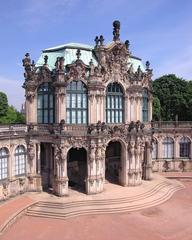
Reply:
x=92, y=109
x=38, y=154
x=60, y=102
x=138, y=160
x=124, y=166
x=31, y=157
x=31, y=107
x=131, y=154
x=126, y=113
x=11, y=167
x=176, y=148
x=132, y=113
x=91, y=185
x=99, y=167
x=160, y=155
x=150, y=103
x=139, y=107
x=148, y=161
x=128, y=110
x=61, y=179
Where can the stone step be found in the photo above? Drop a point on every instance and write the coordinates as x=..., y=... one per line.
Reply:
x=105, y=201
x=160, y=193
x=61, y=215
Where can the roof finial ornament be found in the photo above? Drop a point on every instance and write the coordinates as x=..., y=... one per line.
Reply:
x=96, y=41
x=101, y=39
x=27, y=64
x=27, y=60
x=116, y=30
x=78, y=54
x=45, y=59
x=147, y=64
x=127, y=44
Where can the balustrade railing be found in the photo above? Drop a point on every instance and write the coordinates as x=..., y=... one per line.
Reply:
x=172, y=124
x=13, y=128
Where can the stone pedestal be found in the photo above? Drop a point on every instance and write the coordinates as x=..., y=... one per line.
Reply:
x=61, y=186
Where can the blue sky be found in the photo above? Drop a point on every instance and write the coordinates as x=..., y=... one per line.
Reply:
x=159, y=31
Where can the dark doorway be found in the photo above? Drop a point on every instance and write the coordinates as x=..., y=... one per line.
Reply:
x=47, y=166
x=113, y=162
x=77, y=168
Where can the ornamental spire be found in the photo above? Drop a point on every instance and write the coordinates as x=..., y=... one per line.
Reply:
x=116, y=30
x=78, y=54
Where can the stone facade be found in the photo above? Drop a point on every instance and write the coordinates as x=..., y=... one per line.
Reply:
x=104, y=141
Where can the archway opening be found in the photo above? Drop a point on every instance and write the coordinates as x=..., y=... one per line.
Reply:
x=77, y=168
x=113, y=162
x=46, y=166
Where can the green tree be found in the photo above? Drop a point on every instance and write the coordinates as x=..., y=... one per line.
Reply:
x=12, y=116
x=173, y=96
x=156, y=109
x=3, y=104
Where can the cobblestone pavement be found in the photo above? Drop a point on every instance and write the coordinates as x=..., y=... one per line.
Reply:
x=171, y=220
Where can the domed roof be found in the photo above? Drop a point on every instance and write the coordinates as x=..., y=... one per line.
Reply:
x=68, y=51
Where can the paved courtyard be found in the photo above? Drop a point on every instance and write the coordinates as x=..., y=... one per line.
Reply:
x=171, y=220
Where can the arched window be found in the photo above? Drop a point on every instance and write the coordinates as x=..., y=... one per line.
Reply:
x=20, y=156
x=168, y=145
x=145, y=107
x=4, y=156
x=77, y=103
x=154, y=151
x=45, y=104
x=185, y=145
x=114, y=103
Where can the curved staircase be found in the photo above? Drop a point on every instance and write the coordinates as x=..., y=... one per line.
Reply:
x=158, y=194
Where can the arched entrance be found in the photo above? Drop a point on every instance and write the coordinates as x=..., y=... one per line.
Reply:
x=47, y=166
x=113, y=162
x=77, y=168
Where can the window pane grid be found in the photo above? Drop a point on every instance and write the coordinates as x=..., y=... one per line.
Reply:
x=20, y=159
x=76, y=103
x=168, y=146
x=114, y=104
x=3, y=163
x=45, y=104
x=154, y=151
x=145, y=106
x=185, y=145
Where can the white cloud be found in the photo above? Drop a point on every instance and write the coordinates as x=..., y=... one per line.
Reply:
x=38, y=12
x=13, y=90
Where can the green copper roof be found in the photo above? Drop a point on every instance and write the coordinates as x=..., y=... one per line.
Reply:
x=68, y=51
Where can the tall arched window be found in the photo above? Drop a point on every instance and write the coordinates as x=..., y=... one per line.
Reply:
x=154, y=151
x=185, y=145
x=4, y=156
x=145, y=107
x=45, y=104
x=20, y=163
x=77, y=103
x=114, y=103
x=168, y=146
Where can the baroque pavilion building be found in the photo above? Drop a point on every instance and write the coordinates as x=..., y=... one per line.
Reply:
x=88, y=121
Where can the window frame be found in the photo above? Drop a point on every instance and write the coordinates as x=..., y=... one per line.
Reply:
x=44, y=91
x=154, y=154
x=145, y=105
x=21, y=158
x=5, y=169
x=114, y=104
x=185, y=146
x=77, y=103
x=168, y=147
